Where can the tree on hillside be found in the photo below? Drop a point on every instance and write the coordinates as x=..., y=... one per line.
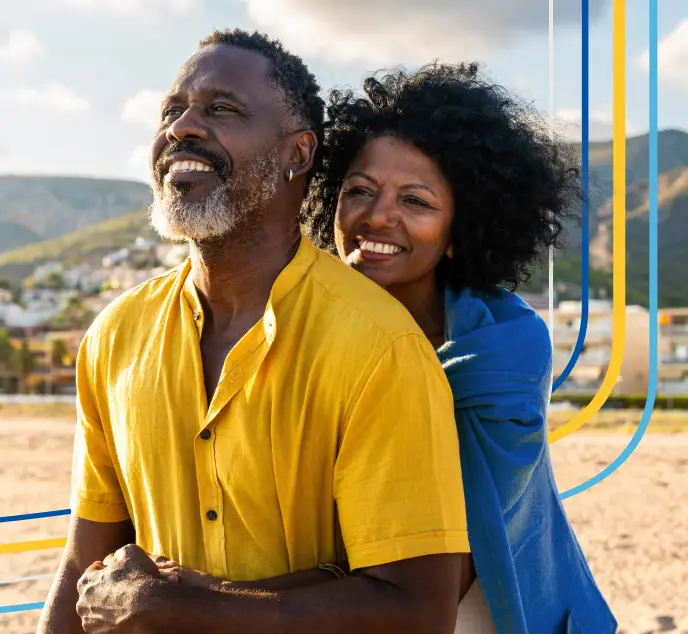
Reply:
x=58, y=353
x=54, y=281
x=75, y=316
x=6, y=350
x=5, y=284
x=23, y=363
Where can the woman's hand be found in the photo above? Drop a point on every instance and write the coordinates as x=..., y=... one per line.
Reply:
x=172, y=572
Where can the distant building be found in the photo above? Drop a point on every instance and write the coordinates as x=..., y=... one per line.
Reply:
x=99, y=302
x=145, y=244
x=43, y=273
x=115, y=258
x=592, y=365
x=171, y=254
x=673, y=351
x=538, y=301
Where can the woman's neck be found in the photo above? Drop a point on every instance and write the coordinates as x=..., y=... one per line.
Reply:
x=425, y=302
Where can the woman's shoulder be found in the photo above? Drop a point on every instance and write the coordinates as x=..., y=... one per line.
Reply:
x=498, y=331
x=498, y=308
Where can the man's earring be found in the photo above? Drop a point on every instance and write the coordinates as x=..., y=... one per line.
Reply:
x=291, y=175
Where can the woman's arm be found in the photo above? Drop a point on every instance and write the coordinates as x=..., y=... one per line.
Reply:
x=172, y=572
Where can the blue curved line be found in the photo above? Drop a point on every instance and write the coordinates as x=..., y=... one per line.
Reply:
x=33, y=516
x=20, y=607
x=585, y=244
x=653, y=230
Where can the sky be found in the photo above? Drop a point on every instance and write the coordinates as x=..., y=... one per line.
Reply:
x=81, y=80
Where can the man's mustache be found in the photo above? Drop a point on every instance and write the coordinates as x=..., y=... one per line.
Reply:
x=222, y=166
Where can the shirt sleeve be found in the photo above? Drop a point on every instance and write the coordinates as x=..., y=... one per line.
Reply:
x=96, y=493
x=397, y=481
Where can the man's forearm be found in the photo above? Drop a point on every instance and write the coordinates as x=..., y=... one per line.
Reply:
x=358, y=604
x=59, y=613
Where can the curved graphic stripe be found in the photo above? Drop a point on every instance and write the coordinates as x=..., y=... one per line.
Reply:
x=619, y=230
x=27, y=547
x=21, y=607
x=653, y=241
x=33, y=516
x=9, y=582
x=585, y=220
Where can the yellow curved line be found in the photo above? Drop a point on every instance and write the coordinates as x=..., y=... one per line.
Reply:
x=619, y=230
x=27, y=547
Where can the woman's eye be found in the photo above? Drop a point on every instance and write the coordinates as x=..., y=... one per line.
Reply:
x=412, y=200
x=357, y=191
x=221, y=107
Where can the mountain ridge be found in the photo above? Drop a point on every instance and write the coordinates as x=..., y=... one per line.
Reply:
x=121, y=225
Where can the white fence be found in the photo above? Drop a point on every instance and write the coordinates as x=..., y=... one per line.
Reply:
x=43, y=399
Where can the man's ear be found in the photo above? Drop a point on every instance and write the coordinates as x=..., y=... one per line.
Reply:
x=303, y=153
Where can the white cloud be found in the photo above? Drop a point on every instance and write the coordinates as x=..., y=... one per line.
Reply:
x=407, y=31
x=144, y=108
x=672, y=57
x=55, y=96
x=131, y=7
x=18, y=45
x=139, y=161
x=568, y=122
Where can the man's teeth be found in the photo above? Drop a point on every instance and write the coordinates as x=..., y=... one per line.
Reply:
x=189, y=166
x=380, y=247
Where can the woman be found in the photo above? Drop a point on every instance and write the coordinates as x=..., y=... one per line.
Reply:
x=443, y=189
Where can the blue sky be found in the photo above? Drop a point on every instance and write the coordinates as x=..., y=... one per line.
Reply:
x=79, y=79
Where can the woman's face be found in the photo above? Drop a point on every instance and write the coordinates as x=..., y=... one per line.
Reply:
x=394, y=214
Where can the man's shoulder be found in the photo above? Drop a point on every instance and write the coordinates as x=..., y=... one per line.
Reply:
x=356, y=301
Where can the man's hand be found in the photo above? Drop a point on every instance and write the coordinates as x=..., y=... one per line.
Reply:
x=114, y=594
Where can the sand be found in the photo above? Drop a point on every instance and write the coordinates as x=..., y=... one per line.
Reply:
x=633, y=527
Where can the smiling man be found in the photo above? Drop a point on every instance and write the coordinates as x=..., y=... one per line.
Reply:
x=261, y=409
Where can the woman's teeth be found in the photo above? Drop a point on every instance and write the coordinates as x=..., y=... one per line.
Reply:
x=380, y=247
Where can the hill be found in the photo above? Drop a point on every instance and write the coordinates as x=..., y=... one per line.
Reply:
x=87, y=245
x=13, y=236
x=34, y=208
x=673, y=222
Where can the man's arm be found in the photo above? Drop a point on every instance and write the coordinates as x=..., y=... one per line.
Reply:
x=413, y=596
x=87, y=542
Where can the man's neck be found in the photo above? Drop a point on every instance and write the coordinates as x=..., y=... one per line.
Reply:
x=234, y=279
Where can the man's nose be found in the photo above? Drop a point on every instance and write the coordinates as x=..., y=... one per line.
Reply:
x=188, y=125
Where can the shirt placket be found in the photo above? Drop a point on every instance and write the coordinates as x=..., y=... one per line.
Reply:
x=209, y=490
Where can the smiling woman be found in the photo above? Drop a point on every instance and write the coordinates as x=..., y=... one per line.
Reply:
x=445, y=189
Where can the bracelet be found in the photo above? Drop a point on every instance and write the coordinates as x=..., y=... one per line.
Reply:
x=335, y=570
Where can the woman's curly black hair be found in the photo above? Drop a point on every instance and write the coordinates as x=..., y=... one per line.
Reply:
x=514, y=183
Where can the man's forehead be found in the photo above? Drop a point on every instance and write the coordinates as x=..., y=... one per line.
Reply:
x=224, y=68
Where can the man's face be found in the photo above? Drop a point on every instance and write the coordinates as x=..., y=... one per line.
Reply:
x=216, y=159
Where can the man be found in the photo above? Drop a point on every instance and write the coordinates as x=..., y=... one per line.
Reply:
x=261, y=409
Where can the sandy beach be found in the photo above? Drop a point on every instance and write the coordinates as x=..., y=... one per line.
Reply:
x=633, y=527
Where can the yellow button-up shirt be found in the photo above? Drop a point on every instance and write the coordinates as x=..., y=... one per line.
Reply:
x=331, y=431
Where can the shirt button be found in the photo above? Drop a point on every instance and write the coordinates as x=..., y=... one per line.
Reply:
x=196, y=315
x=205, y=434
x=211, y=515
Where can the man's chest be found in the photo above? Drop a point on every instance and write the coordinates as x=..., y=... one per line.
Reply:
x=250, y=477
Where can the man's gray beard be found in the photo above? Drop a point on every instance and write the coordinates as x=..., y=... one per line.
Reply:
x=232, y=207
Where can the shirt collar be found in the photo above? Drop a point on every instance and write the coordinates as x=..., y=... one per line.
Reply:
x=286, y=281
